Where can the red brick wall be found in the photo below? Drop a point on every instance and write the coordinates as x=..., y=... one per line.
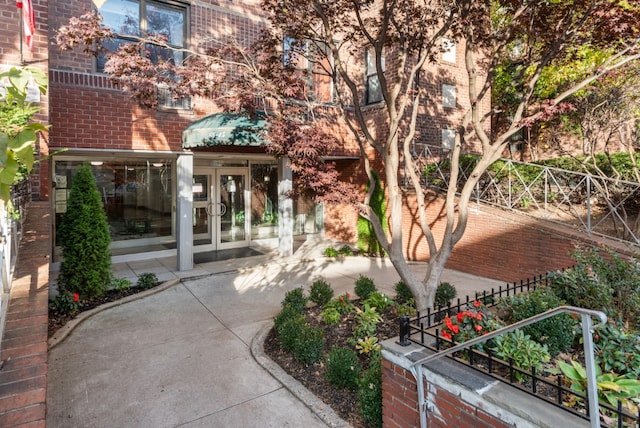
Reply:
x=400, y=404
x=399, y=397
x=497, y=244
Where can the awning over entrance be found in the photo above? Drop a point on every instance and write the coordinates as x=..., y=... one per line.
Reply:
x=225, y=129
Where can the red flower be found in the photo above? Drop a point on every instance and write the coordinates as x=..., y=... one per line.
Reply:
x=455, y=329
x=448, y=323
x=479, y=316
x=477, y=303
x=76, y=297
x=460, y=316
x=478, y=328
x=445, y=334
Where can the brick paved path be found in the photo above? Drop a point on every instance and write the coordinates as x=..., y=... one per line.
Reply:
x=23, y=378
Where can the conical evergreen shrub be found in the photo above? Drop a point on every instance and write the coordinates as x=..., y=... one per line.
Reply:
x=84, y=237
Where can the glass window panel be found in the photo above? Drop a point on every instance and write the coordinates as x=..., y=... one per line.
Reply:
x=167, y=21
x=264, y=200
x=136, y=195
x=448, y=96
x=122, y=16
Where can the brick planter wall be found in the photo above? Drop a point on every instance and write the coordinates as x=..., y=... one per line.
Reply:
x=504, y=245
x=458, y=396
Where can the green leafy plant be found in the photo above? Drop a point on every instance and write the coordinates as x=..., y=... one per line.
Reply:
x=120, y=284
x=379, y=300
x=557, y=332
x=367, y=321
x=611, y=387
x=342, y=367
x=617, y=350
x=84, y=237
x=295, y=298
x=342, y=304
x=370, y=392
x=17, y=135
x=445, y=293
x=147, y=280
x=368, y=345
x=403, y=293
x=364, y=287
x=66, y=303
x=320, y=292
x=406, y=309
x=524, y=352
x=331, y=316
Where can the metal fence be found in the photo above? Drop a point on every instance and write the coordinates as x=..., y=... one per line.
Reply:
x=588, y=203
x=424, y=330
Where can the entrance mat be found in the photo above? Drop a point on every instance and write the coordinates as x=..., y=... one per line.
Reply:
x=216, y=256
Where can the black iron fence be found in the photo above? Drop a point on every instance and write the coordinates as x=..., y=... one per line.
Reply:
x=424, y=330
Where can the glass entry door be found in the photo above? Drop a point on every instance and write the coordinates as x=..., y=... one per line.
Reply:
x=220, y=203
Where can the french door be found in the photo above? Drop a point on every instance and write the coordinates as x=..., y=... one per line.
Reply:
x=221, y=211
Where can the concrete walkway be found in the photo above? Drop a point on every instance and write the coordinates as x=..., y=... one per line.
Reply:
x=191, y=354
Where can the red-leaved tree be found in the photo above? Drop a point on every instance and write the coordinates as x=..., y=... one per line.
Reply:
x=405, y=41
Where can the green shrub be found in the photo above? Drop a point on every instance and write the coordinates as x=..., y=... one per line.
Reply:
x=370, y=393
x=346, y=250
x=331, y=252
x=445, y=293
x=120, y=284
x=364, y=287
x=379, y=300
x=330, y=316
x=286, y=313
x=289, y=330
x=66, y=303
x=342, y=367
x=309, y=344
x=320, y=292
x=84, y=238
x=403, y=293
x=611, y=285
x=556, y=332
x=367, y=241
x=147, y=280
x=522, y=350
x=295, y=298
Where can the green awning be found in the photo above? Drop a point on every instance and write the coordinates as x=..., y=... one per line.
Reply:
x=225, y=129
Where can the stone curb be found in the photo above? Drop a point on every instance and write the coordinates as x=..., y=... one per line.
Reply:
x=66, y=330
x=317, y=406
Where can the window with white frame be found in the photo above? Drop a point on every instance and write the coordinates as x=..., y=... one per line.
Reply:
x=448, y=50
x=448, y=139
x=314, y=61
x=373, y=90
x=131, y=19
x=448, y=96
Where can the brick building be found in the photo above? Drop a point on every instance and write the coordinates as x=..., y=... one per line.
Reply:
x=179, y=179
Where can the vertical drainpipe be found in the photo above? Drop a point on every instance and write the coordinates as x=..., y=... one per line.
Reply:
x=184, y=211
x=285, y=208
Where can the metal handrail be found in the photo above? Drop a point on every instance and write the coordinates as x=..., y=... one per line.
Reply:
x=587, y=326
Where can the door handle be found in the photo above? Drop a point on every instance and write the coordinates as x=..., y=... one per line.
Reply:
x=209, y=209
x=223, y=209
